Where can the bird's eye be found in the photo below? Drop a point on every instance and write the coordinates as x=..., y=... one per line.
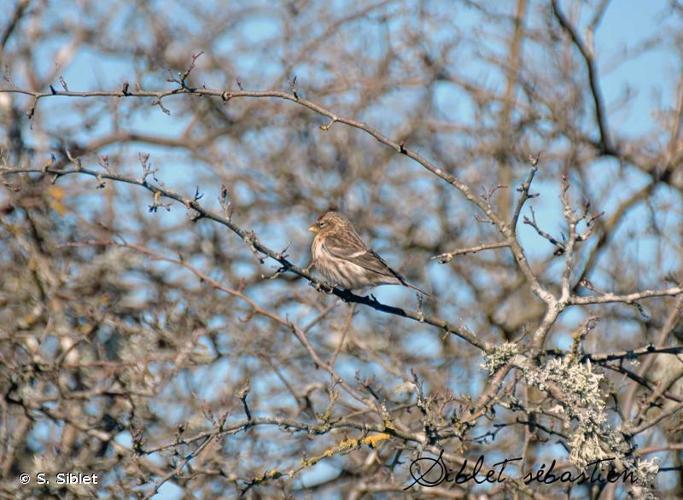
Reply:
x=322, y=224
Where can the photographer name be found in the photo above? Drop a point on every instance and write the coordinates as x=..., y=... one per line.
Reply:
x=60, y=479
x=430, y=472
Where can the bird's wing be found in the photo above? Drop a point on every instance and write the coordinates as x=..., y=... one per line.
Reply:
x=349, y=246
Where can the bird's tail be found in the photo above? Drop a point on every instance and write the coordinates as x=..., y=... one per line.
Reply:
x=405, y=283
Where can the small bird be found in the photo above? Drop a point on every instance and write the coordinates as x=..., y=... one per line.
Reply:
x=342, y=258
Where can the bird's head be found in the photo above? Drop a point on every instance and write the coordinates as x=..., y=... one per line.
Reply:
x=330, y=220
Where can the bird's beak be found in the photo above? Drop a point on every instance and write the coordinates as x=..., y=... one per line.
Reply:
x=312, y=228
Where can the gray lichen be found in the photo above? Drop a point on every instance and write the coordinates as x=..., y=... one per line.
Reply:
x=499, y=357
x=576, y=388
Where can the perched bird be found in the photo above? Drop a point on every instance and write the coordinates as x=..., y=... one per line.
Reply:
x=342, y=258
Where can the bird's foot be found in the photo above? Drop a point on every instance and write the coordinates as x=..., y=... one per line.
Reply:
x=323, y=287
